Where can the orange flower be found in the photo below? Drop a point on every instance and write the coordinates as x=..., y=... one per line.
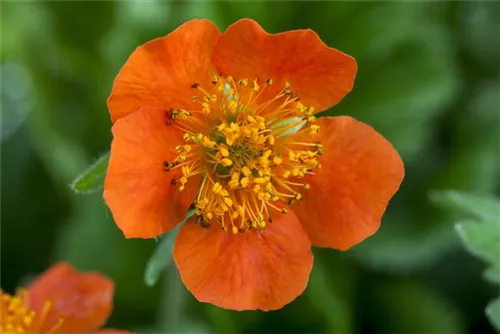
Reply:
x=226, y=123
x=61, y=300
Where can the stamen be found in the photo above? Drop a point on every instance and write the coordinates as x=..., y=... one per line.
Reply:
x=244, y=149
x=16, y=317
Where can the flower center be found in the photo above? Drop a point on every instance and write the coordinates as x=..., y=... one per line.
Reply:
x=252, y=145
x=17, y=317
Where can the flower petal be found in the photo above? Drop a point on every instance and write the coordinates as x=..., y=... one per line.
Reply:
x=360, y=173
x=160, y=73
x=83, y=300
x=320, y=75
x=246, y=271
x=137, y=189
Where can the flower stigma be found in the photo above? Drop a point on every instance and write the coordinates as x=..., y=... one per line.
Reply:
x=252, y=146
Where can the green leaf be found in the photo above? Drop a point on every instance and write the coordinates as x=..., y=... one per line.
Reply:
x=493, y=313
x=481, y=239
x=492, y=274
x=162, y=256
x=470, y=205
x=92, y=179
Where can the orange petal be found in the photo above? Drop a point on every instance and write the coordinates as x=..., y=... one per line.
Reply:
x=160, y=73
x=83, y=300
x=137, y=189
x=320, y=75
x=360, y=173
x=245, y=271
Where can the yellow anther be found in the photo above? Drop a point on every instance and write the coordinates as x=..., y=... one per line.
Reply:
x=246, y=171
x=309, y=111
x=246, y=131
x=206, y=142
x=232, y=105
x=217, y=188
x=264, y=163
x=244, y=182
x=298, y=196
x=215, y=78
x=300, y=107
x=269, y=82
x=270, y=140
x=269, y=187
x=209, y=216
x=226, y=162
x=261, y=195
x=233, y=184
x=312, y=163
x=286, y=174
x=251, y=119
x=256, y=189
x=235, y=230
x=183, y=180
x=219, y=212
x=277, y=160
x=307, y=186
x=311, y=119
x=229, y=78
x=234, y=127
x=243, y=82
x=313, y=129
x=202, y=204
x=187, y=137
x=292, y=156
x=241, y=210
x=186, y=171
x=260, y=180
x=205, y=107
x=234, y=215
x=255, y=86
x=267, y=154
x=224, y=151
x=181, y=188
x=221, y=127
x=228, y=201
x=213, y=98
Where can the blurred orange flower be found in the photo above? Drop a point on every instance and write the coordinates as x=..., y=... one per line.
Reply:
x=225, y=124
x=61, y=300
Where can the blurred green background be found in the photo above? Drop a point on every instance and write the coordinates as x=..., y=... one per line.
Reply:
x=428, y=80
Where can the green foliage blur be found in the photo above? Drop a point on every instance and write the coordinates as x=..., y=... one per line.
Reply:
x=428, y=80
